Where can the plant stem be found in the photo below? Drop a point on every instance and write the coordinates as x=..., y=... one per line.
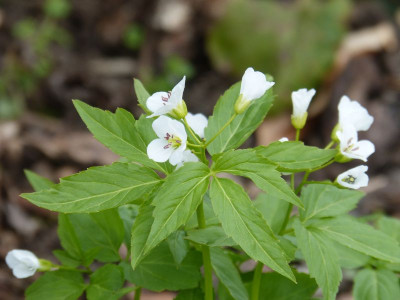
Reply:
x=191, y=131
x=255, y=287
x=297, y=134
x=193, y=145
x=221, y=129
x=138, y=293
x=209, y=294
x=329, y=145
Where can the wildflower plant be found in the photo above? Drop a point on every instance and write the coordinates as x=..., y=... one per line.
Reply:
x=163, y=217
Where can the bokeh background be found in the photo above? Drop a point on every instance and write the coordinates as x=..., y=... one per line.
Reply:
x=52, y=51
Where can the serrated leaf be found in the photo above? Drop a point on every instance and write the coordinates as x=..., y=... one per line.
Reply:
x=97, y=235
x=272, y=209
x=274, y=286
x=178, y=246
x=61, y=285
x=360, y=237
x=213, y=236
x=66, y=259
x=228, y=274
x=390, y=226
x=38, y=182
x=158, y=270
x=322, y=200
x=128, y=214
x=244, y=223
x=119, y=133
x=177, y=200
x=321, y=259
x=140, y=232
x=192, y=294
x=295, y=156
x=142, y=94
x=349, y=258
x=246, y=163
x=97, y=189
x=376, y=285
x=105, y=283
x=242, y=126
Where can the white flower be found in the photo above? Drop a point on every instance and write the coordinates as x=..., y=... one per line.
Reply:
x=187, y=156
x=198, y=123
x=22, y=262
x=162, y=103
x=354, y=178
x=171, y=142
x=284, y=139
x=351, y=112
x=301, y=100
x=350, y=147
x=254, y=85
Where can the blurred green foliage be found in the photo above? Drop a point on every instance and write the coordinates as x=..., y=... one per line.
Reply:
x=295, y=42
x=21, y=74
x=133, y=37
x=175, y=67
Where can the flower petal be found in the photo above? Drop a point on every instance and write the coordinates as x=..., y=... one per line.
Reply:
x=158, y=151
x=177, y=92
x=363, y=149
x=352, y=112
x=301, y=100
x=254, y=84
x=357, y=174
x=21, y=271
x=198, y=123
x=155, y=102
x=177, y=156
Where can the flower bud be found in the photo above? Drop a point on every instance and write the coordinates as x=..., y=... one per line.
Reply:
x=298, y=122
x=241, y=104
x=180, y=111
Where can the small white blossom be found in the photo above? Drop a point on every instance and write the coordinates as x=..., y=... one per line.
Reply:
x=354, y=178
x=162, y=103
x=187, y=156
x=284, y=139
x=353, y=113
x=351, y=147
x=22, y=262
x=198, y=123
x=301, y=100
x=171, y=142
x=254, y=85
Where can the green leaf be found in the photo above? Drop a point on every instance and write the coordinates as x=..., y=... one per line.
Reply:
x=360, y=237
x=66, y=259
x=119, y=132
x=105, y=283
x=390, y=226
x=295, y=156
x=177, y=200
x=38, y=182
x=376, y=285
x=192, y=294
x=228, y=274
x=213, y=236
x=97, y=189
x=272, y=209
x=61, y=285
x=349, y=258
x=158, y=271
x=140, y=233
x=244, y=223
x=128, y=213
x=246, y=163
x=276, y=287
x=322, y=200
x=178, y=246
x=98, y=235
x=321, y=259
x=242, y=126
x=141, y=94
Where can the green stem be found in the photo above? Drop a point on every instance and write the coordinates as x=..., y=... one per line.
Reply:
x=255, y=287
x=297, y=134
x=329, y=145
x=193, y=145
x=191, y=131
x=138, y=293
x=221, y=129
x=208, y=286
